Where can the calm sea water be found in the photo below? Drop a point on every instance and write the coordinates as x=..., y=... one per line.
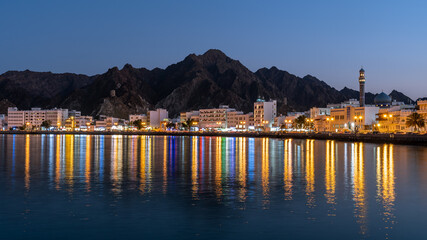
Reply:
x=168, y=187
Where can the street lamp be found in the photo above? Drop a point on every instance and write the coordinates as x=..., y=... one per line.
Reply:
x=329, y=122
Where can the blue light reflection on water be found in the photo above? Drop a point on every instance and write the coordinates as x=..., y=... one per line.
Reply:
x=209, y=187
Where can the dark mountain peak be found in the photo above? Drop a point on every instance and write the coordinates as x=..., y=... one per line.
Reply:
x=274, y=68
x=214, y=53
x=127, y=66
x=211, y=57
x=272, y=71
x=400, y=97
x=114, y=69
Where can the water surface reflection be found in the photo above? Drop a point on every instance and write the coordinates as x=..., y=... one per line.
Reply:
x=316, y=184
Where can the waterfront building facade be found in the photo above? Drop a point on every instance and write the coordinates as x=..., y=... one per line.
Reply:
x=315, y=112
x=239, y=120
x=422, y=110
x=352, y=118
x=135, y=117
x=264, y=113
x=215, y=117
x=2, y=121
x=185, y=116
x=35, y=117
x=154, y=118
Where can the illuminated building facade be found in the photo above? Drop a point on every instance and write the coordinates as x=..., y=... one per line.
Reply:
x=264, y=113
x=155, y=117
x=422, y=109
x=185, y=116
x=35, y=117
x=352, y=118
x=215, y=117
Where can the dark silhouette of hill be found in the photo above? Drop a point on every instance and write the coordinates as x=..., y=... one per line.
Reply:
x=199, y=81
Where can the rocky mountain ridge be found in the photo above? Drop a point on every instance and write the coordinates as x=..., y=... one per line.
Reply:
x=199, y=81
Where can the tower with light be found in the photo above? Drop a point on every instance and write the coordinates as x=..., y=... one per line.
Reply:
x=362, y=87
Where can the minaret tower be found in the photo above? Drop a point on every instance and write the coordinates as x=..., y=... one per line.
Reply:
x=362, y=87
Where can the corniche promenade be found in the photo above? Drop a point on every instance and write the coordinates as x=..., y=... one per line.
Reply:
x=408, y=139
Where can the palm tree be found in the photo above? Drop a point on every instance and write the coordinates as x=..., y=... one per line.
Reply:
x=299, y=122
x=415, y=120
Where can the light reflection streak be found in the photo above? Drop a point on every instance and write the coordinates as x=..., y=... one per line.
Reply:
x=265, y=171
x=287, y=169
x=359, y=191
x=194, y=168
x=142, y=167
x=58, y=162
x=330, y=172
x=87, y=162
x=218, y=168
x=116, y=163
x=165, y=163
x=69, y=160
x=133, y=158
x=309, y=173
x=242, y=172
x=386, y=184
x=27, y=162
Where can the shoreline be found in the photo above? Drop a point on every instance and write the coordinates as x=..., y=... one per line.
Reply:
x=406, y=139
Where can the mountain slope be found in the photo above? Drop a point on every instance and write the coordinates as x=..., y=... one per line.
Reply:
x=199, y=81
x=27, y=89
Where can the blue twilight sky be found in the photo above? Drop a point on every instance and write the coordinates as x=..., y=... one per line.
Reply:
x=326, y=39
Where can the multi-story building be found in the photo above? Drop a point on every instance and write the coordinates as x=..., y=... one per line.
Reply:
x=215, y=117
x=35, y=117
x=74, y=113
x=393, y=118
x=315, y=112
x=155, y=117
x=422, y=109
x=264, y=113
x=239, y=120
x=84, y=122
x=352, y=118
x=2, y=121
x=135, y=117
x=184, y=116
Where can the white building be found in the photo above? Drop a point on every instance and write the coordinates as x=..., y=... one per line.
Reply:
x=74, y=113
x=2, y=121
x=135, y=117
x=184, y=116
x=35, y=117
x=264, y=113
x=350, y=102
x=214, y=117
x=239, y=120
x=154, y=118
x=316, y=112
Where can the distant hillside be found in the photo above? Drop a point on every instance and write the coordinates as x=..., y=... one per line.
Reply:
x=27, y=89
x=199, y=81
